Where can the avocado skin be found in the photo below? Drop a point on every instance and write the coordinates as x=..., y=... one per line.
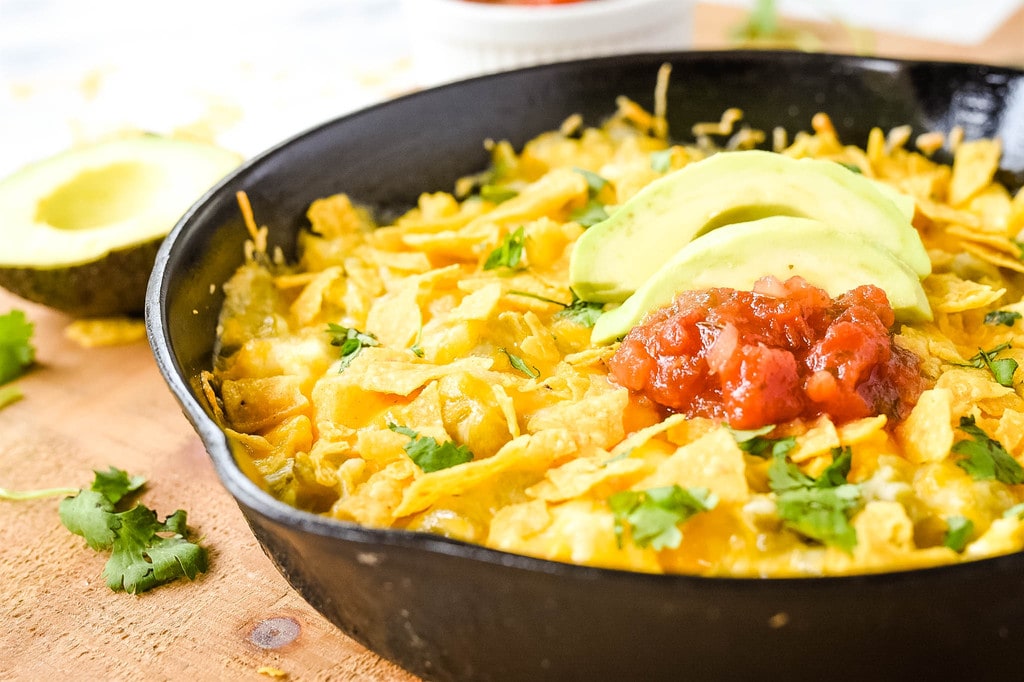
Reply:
x=112, y=285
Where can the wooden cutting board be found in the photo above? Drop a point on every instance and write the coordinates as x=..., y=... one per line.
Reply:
x=86, y=409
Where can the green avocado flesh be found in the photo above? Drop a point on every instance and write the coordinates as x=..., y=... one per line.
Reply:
x=783, y=246
x=81, y=229
x=616, y=257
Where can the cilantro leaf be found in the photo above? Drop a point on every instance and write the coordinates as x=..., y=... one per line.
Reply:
x=958, y=533
x=351, y=341
x=509, y=253
x=16, y=350
x=428, y=454
x=589, y=214
x=1002, y=369
x=852, y=167
x=145, y=552
x=985, y=458
x=114, y=484
x=654, y=515
x=784, y=475
x=661, y=160
x=754, y=442
x=593, y=211
x=819, y=508
x=496, y=194
x=595, y=183
x=581, y=312
x=142, y=559
x=821, y=513
x=91, y=515
x=1004, y=317
x=519, y=364
x=536, y=297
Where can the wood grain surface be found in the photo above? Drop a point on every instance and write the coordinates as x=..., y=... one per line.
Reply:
x=88, y=409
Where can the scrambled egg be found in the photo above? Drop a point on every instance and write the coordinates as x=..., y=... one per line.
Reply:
x=435, y=375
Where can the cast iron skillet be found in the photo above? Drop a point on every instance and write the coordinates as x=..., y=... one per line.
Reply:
x=451, y=611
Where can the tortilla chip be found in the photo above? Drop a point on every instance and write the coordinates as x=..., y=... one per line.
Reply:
x=533, y=452
x=713, y=461
x=974, y=165
x=378, y=370
x=927, y=434
x=258, y=404
x=950, y=294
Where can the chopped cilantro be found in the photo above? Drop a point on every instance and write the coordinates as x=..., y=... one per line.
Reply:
x=852, y=167
x=509, y=253
x=581, y=312
x=537, y=297
x=16, y=350
x=497, y=194
x=428, y=454
x=661, y=160
x=754, y=442
x=1002, y=369
x=351, y=342
x=519, y=364
x=145, y=552
x=417, y=350
x=984, y=458
x=593, y=211
x=958, y=532
x=654, y=515
x=816, y=508
x=1003, y=317
x=590, y=214
x=595, y=183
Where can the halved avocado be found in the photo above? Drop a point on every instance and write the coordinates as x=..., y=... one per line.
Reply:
x=783, y=246
x=614, y=258
x=81, y=229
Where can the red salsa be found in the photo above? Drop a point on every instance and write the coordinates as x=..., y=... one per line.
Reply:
x=783, y=351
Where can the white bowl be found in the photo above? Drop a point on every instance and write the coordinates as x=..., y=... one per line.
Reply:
x=454, y=39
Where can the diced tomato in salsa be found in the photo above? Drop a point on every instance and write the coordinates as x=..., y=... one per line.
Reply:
x=783, y=351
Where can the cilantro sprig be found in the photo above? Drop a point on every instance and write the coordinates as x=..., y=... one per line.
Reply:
x=593, y=211
x=581, y=312
x=509, y=253
x=958, y=532
x=350, y=341
x=754, y=442
x=819, y=508
x=520, y=365
x=1002, y=368
x=496, y=193
x=1007, y=318
x=653, y=515
x=984, y=458
x=144, y=551
x=16, y=350
x=428, y=454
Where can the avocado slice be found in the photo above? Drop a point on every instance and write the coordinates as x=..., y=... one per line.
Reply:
x=782, y=246
x=614, y=258
x=81, y=229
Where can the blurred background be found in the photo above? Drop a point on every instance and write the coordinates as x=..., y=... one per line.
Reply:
x=248, y=75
